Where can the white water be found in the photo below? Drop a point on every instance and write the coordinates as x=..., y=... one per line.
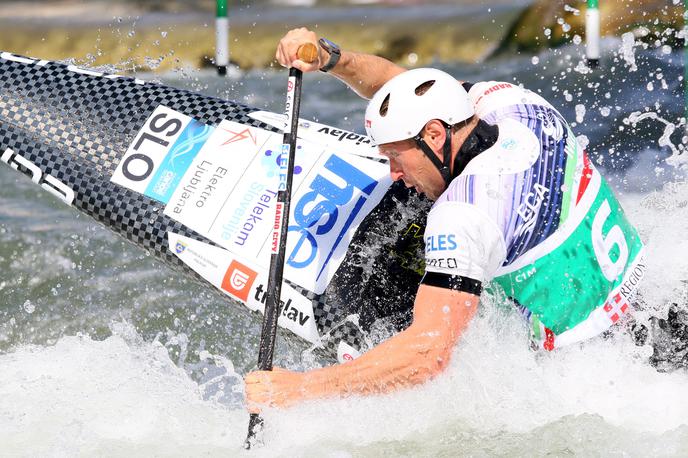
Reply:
x=125, y=397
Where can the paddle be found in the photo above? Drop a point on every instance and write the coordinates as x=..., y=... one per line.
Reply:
x=307, y=52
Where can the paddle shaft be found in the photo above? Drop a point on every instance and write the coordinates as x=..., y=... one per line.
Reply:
x=307, y=53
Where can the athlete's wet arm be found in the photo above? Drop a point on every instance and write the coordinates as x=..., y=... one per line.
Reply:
x=364, y=73
x=411, y=357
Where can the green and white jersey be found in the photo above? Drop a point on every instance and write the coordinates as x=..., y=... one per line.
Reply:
x=532, y=216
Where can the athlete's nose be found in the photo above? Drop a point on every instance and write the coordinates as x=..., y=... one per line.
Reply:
x=395, y=170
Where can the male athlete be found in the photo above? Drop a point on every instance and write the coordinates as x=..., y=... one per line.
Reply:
x=517, y=203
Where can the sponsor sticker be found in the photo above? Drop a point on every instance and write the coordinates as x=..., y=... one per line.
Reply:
x=326, y=211
x=237, y=135
x=509, y=144
x=440, y=242
x=150, y=149
x=180, y=247
x=229, y=191
x=177, y=161
x=276, y=228
x=238, y=280
x=324, y=135
x=346, y=352
x=288, y=109
x=244, y=280
x=223, y=183
x=442, y=263
x=283, y=167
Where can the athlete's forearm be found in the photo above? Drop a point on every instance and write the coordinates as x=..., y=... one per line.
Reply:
x=364, y=73
x=408, y=359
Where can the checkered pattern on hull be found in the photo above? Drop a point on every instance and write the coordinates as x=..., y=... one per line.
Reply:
x=76, y=127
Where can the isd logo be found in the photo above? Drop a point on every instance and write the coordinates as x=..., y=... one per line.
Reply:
x=238, y=280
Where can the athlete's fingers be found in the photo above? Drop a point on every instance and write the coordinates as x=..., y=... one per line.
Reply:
x=277, y=388
x=257, y=391
x=304, y=67
x=281, y=55
x=288, y=47
x=258, y=399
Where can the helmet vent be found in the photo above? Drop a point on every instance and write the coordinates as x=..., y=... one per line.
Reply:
x=384, y=106
x=425, y=87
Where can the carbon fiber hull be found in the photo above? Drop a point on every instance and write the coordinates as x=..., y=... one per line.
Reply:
x=68, y=129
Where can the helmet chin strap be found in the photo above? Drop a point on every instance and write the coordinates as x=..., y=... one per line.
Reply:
x=480, y=139
x=443, y=167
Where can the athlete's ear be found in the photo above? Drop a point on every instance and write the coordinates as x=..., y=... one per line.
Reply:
x=434, y=133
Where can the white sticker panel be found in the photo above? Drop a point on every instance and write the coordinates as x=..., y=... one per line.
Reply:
x=326, y=210
x=149, y=149
x=222, y=182
x=217, y=172
x=246, y=282
x=339, y=140
x=230, y=190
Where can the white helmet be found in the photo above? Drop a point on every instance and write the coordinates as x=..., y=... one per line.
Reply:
x=398, y=112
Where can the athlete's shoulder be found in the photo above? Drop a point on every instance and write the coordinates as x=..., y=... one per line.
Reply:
x=461, y=239
x=515, y=151
x=490, y=96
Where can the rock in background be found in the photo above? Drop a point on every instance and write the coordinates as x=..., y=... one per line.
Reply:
x=551, y=23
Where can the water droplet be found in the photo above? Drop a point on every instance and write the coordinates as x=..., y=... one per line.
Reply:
x=571, y=9
x=583, y=141
x=535, y=60
x=29, y=307
x=627, y=50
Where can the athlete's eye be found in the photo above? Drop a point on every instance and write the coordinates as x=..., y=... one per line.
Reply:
x=389, y=154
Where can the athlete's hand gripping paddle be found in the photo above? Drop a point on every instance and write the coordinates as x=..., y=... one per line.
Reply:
x=307, y=52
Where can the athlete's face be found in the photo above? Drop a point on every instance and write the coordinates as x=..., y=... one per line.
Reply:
x=408, y=163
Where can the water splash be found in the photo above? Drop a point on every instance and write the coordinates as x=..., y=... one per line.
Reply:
x=627, y=50
x=677, y=158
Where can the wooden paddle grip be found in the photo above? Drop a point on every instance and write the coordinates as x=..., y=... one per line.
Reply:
x=307, y=52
